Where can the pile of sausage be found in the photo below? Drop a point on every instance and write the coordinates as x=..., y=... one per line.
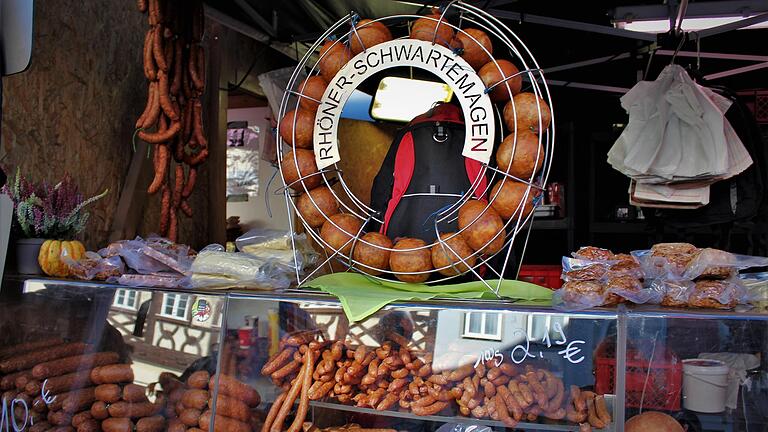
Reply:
x=393, y=378
x=121, y=406
x=174, y=65
x=58, y=382
x=191, y=403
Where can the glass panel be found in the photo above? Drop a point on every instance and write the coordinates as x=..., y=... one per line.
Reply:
x=55, y=335
x=475, y=322
x=492, y=324
x=391, y=349
x=705, y=368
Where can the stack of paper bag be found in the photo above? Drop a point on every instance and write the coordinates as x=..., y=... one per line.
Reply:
x=677, y=142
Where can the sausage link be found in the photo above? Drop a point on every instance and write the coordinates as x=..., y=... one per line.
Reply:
x=108, y=393
x=199, y=379
x=134, y=393
x=195, y=398
x=230, y=386
x=165, y=98
x=117, y=424
x=26, y=361
x=157, y=49
x=151, y=424
x=112, y=374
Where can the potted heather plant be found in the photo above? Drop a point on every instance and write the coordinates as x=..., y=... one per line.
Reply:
x=46, y=212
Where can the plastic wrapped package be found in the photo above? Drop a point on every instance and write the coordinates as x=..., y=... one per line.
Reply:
x=623, y=288
x=276, y=244
x=128, y=250
x=583, y=270
x=626, y=265
x=93, y=267
x=215, y=268
x=673, y=292
x=718, y=264
x=592, y=253
x=665, y=260
x=717, y=294
x=151, y=256
x=756, y=285
x=579, y=295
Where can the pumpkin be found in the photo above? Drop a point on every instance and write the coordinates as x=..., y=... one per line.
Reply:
x=52, y=252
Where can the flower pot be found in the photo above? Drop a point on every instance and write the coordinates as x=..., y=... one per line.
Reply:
x=27, y=251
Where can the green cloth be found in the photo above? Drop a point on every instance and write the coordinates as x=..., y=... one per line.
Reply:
x=362, y=296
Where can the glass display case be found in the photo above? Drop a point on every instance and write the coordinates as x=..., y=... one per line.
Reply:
x=86, y=356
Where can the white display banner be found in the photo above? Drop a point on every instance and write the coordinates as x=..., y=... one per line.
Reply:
x=451, y=68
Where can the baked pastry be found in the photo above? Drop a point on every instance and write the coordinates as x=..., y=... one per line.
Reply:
x=620, y=284
x=676, y=293
x=675, y=256
x=714, y=294
x=592, y=253
x=589, y=292
x=626, y=265
x=666, y=249
x=711, y=263
x=588, y=272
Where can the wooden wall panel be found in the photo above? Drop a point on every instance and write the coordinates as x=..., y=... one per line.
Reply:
x=73, y=110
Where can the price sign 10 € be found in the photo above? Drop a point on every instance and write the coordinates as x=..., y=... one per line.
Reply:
x=522, y=351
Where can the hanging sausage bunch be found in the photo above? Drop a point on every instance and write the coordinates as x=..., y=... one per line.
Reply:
x=482, y=223
x=174, y=65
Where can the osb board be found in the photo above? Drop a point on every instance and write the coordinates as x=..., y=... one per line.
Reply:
x=74, y=109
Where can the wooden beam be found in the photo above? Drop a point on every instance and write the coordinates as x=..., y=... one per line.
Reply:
x=216, y=121
x=133, y=196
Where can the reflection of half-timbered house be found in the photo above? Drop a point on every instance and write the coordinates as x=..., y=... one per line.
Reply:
x=166, y=331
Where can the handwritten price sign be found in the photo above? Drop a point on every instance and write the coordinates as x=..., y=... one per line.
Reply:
x=8, y=421
x=522, y=351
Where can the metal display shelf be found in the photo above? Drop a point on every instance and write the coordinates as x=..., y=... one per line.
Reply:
x=609, y=399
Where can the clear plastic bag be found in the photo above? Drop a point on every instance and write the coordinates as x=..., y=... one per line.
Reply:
x=714, y=263
x=215, y=268
x=622, y=288
x=717, y=294
x=151, y=256
x=94, y=267
x=673, y=292
x=595, y=254
x=575, y=269
x=579, y=295
x=276, y=244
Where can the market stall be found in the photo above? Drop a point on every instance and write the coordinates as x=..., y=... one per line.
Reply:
x=409, y=284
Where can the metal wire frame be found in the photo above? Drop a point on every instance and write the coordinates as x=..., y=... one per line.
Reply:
x=495, y=28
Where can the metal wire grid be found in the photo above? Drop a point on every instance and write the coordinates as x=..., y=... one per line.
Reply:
x=534, y=76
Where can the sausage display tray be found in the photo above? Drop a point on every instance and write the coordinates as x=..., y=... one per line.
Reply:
x=609, y=399
x=235, y=332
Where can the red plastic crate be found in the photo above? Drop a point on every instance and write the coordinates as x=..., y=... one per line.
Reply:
x=656, y=385
x=544, y=275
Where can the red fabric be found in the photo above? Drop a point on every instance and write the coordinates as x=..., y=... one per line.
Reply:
x=404, y=163
x=475, y=170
